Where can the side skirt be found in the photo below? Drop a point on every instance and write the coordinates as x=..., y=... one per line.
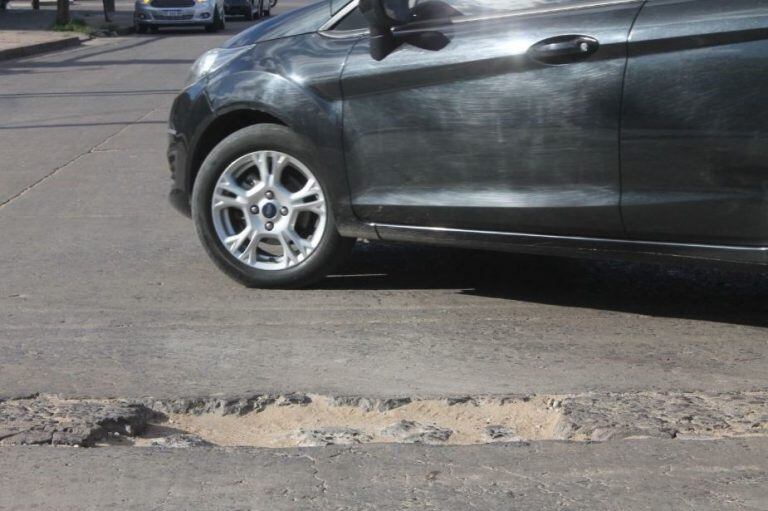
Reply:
x=574, y=246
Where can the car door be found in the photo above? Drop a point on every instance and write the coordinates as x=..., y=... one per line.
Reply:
x=695, y=123
x=492, y=119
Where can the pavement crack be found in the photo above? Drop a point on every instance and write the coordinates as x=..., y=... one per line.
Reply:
x=121, y=130
x=108, y=150
x=323, y=487
x=91, y=150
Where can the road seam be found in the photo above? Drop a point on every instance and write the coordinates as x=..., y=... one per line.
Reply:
x=92, y=150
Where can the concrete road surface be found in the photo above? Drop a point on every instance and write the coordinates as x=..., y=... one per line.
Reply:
x=106, y=292
x=649, y=476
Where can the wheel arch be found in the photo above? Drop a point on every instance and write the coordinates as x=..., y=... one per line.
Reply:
x=220, y=128
x=305, y=96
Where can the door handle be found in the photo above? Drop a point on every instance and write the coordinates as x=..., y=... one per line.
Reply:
x=564, y=49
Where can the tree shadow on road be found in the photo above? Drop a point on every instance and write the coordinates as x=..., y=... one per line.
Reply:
x=662, y=290
x=82, y=58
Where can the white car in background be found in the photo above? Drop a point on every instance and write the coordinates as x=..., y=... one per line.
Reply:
x=153, y=14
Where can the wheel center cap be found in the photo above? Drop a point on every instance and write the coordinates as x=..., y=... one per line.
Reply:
x=269, y=210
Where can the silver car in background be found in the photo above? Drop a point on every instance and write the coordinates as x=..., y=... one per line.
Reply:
x=153, y=14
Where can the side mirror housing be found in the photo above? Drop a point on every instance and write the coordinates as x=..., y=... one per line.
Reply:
x=382, y=17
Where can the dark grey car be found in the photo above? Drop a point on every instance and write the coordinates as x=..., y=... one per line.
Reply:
x=250, y=9
x=613, y=128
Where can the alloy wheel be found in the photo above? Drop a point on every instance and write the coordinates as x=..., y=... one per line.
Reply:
x=269, y=210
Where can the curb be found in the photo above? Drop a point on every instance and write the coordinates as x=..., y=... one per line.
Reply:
x=33, y=49
x=119, y=31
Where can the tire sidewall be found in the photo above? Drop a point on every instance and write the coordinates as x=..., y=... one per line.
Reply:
x=266, y=137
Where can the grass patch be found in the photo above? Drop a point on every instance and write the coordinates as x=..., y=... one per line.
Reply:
x=80, y=26
x=109, y=27
x=74, y=25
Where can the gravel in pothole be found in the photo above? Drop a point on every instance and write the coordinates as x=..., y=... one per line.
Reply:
x=322, y=420
x=292, y=420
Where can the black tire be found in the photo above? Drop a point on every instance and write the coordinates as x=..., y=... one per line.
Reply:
x=332, y=249
x=153, y=29
x=216, y=25
x=141, y=28
x=222, y=21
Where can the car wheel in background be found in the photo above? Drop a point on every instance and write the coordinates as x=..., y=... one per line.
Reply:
x=262, y=210
x=216, y=25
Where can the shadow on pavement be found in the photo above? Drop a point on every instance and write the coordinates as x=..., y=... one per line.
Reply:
x=76, y=59
x=85, y=57
x=80, y=124
x=675, y=291
x=89, y=93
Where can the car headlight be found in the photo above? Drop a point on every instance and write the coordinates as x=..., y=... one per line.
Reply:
x=212, y=60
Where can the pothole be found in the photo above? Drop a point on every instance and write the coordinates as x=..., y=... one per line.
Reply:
x=323, y=420
x=301, y=420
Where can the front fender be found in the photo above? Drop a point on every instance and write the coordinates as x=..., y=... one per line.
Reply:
x=297, y=81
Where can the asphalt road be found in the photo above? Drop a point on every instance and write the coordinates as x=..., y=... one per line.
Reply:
x=105, y=291
x=658, y=475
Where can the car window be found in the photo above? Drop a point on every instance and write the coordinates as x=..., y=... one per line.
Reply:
x=352, y=21
x=490, y=7
x=355, y=20
x=473, y=8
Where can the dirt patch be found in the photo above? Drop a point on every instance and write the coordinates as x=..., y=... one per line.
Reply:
x=321, y=421
x=311, y=420
x=291, y=420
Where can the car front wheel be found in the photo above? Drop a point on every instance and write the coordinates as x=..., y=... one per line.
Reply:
x=218, y=22
x=262, y=210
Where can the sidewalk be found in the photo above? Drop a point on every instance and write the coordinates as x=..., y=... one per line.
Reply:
x=17, y=43
x=26, y=32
